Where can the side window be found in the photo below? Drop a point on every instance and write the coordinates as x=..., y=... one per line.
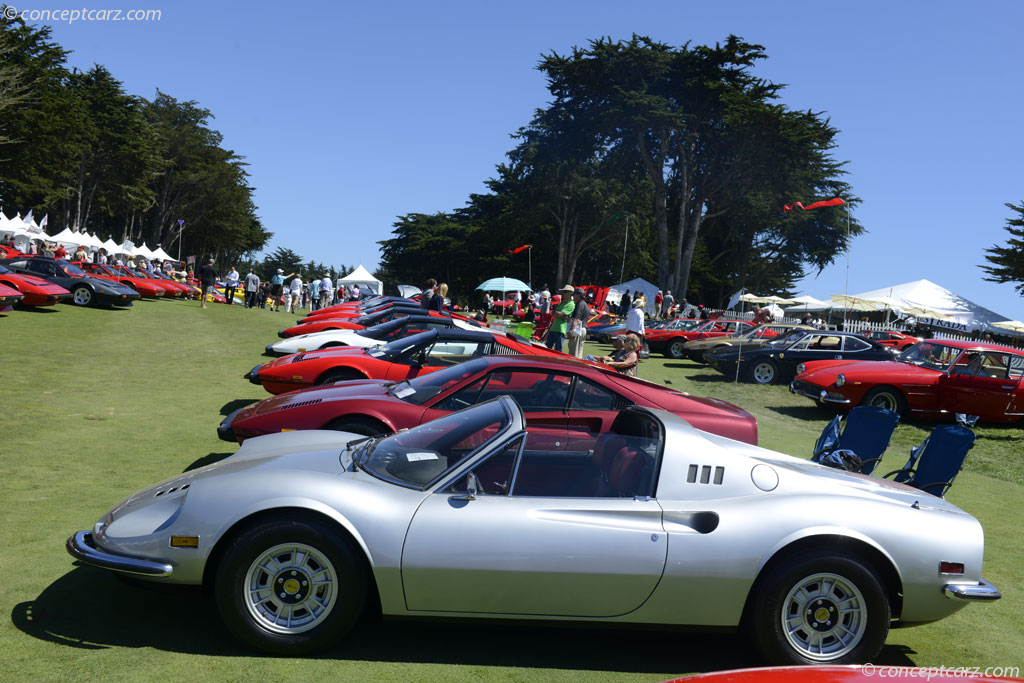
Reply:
x=854, y=344
x=41, y=267
x=494, y=475
x=808, y=342
x=617, y=467
x=534, y=391
x=445, y=353
x=1016, y=367
x=463, y=398
x=590, y=396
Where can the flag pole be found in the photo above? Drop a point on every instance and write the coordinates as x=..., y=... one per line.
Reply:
x=624, y=242
x=848, y=247
x=529, y=261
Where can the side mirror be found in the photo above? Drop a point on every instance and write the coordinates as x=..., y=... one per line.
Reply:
x=471, y=486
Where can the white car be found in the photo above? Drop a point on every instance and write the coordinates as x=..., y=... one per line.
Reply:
x=377, y=335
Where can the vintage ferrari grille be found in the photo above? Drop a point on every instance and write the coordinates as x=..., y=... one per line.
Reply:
x=311, y=402
x=704, y=472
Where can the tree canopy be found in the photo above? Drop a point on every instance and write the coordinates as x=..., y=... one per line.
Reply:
x=1007, y=262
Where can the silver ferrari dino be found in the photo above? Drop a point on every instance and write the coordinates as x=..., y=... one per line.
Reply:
x=477, y=515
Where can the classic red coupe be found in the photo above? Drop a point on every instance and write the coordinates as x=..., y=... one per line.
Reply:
x=568, y=396
x=933, y=379
x=672, y=341
x=35, y=290
x=144, y=287
x=356, y=323
x=397, y=360
x=897, y=340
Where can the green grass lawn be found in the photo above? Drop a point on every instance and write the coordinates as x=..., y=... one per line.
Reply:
x=98, y=403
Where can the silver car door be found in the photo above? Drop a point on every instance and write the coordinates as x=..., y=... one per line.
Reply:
x=560, y=550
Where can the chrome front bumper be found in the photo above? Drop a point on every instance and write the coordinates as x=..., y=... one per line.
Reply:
x=983, y=590
x=81, y=547
x=819, y=396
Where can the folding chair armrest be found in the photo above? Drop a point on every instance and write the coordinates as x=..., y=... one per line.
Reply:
x=886, y=476
x=942, y=493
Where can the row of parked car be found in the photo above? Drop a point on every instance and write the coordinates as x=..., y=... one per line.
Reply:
x=420, y=465
x=43, y=281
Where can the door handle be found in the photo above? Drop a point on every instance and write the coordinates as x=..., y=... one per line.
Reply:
x=464, y=496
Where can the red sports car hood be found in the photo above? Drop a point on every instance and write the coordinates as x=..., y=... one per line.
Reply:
x=824, y=372
x=313, y=355
x=33, y=280
x=346, y=390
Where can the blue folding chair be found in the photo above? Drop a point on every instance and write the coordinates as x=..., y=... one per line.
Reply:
x=934, y=464
x=866, y=431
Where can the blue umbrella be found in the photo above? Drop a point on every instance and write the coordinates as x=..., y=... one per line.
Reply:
x=504, y=284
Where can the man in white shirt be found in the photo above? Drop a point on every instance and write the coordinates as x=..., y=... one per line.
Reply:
x=326, y=291
x=230, y=285
x=296, y=290
x=635, y=320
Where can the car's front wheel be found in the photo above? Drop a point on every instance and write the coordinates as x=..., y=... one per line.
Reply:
x=819, y=608
x=764, y=371
x=81, y=295
x=889, y=398
x=676, y=349
x=290, y=586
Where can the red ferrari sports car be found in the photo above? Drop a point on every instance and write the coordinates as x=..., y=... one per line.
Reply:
x=897, y=340
x=563, y=393
x=35, y=290
x=124, y=276
x=356, y=323
x=397, y=360
x=672, y=340
x=179, y=288
x=932, y=379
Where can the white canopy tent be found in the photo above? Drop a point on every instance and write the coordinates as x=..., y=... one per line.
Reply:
x=362, y=277
x=111, y=246
x=159, y=253
x=66, y=237
x=615, y=292
x=930, y=297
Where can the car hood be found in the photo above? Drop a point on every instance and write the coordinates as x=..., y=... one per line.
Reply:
x=824, y=372
x=358, y=388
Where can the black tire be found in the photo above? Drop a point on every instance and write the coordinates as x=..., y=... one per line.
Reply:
x=828, y=579
x=764, y=371
x=341, y=573
x=675, y=348
x=81, y=295
x=358, y=425
x=889, y=398
x=342, y=374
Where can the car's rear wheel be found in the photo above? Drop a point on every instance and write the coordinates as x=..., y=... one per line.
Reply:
x=676, y=349
x=81, y=295
x=358, y=425
x=332, y=376
x=889, y=398
x=764, y=371
x=290, y=586
x=819, y=608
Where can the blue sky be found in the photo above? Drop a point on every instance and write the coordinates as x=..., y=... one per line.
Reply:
x=351, y=113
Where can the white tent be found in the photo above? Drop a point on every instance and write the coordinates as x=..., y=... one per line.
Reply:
x=360, y=276
x=111, y=246
x=926, y=294
x=159, y=253
x=65, y=237
x=143, y=251
x=615, y=292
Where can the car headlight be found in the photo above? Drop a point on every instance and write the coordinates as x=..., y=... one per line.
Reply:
x=840, y=379
x=800, y=368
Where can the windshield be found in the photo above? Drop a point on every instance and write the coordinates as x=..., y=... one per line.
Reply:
x=787, y=339
x=425, y=387
x=422, y=455
x=931, y=355
x=399, y=347
x=382, y=330
x=70, y=269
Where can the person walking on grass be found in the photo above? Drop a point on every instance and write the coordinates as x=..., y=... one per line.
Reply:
x=277, y=288
x=230, y=285
x=252, y=289
x=326, y=291
x=207, y=280
x=560, y=319
x=296, y=290
x=578, y=324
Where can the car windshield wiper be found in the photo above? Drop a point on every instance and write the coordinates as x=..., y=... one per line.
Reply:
x=362, y=450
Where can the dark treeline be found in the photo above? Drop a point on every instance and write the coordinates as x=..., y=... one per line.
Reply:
x=684, y=148
x=74, y=145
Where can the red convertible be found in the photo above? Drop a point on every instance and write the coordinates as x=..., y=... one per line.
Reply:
x=400, y=359
x=35, y=290
x=897, y=340
x=567, y=396
x=672, y=341
x=932, y=379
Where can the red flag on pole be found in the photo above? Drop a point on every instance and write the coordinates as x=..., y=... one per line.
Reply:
x=816, y=205
x=519, y=249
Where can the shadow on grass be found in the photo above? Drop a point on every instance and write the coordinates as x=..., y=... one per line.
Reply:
x=35, y=309
x=684, y=366
x=811, y=412
x=716, y=378
x=91, y=609
x=232, y=406
x=207, y=460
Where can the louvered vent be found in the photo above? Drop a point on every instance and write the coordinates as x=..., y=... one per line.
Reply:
x=310, y=402
x=705, y=475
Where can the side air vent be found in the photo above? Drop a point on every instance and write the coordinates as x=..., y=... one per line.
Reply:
x=171, y=490
x=706, y=475
x=311, y=402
